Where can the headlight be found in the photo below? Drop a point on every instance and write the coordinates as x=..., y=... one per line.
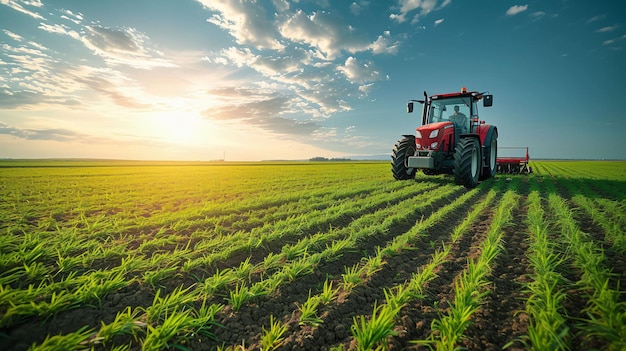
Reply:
x=418, y=146
x=418, y=134
x=434, y=145
x=434, y=133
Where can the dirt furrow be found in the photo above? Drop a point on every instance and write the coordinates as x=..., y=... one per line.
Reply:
x=501, y=320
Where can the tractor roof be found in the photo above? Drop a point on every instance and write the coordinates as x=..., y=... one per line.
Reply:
x=463, y=93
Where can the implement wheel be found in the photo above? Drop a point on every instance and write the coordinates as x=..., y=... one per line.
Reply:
x=403, y=149
x=467, y=162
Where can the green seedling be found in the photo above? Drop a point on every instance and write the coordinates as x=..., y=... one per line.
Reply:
x=272, y=338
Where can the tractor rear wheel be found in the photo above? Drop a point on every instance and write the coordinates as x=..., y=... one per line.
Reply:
x=467, y=162
x=491, y=154
x=403, y=149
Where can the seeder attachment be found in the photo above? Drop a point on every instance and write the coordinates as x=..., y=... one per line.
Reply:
x=513, y=164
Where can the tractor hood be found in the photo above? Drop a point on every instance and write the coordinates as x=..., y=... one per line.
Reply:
x=430, y=136
x=436, y=125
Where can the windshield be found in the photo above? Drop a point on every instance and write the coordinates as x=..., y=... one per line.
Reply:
x=455, y=110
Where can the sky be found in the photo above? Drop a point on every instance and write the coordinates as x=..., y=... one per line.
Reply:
x=253, y=80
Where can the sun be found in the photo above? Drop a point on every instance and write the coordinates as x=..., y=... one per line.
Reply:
x=178, y=127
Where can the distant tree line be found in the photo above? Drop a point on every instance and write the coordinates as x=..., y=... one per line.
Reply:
x=325, y=159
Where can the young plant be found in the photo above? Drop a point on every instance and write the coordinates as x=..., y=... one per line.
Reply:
x=245, y=269
x=99, y=283
x=376, y=330
x=71, y=341
x=125, y=323
x=155, y=277
x=238, y=297
x=161, y=336
x=272, y=338
x=374, y=263
x=352, y=277
x=204, y=319
x=308, y=311
x=161, y=306
x=218, y=281
x=328, y=294
x=302, y=266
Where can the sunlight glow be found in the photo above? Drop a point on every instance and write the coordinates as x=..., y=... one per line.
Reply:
x=179, y=127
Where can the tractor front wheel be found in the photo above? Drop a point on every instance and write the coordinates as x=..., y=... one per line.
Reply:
x=403, y=149
x=467, y=162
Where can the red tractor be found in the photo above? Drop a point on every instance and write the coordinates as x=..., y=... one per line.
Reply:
x=451, y=140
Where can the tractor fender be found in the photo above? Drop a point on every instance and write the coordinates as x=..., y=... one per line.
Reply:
x=485, y=139
x=485, y=132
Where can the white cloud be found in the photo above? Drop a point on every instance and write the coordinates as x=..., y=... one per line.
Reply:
x=261, y=108
x=355, y=9
x=608, y=28
x=17, y=5
x=515, y=9
x=424, y=7
x=77, y=18
x=59, y=29
x=330, y=35
x=538, y=15
x=13, y=36
x=316, y=84
x=37, y=46
x=438, y=22
x=596, y=18
x=281, y=5
x=269, y=66
x=24, y=50
x=246, y=21
x=359, y=72
x=366, y=88
x=118, y=46
x=37, y=79
x=327, y=33
x=113, y=85
x=613, y=41
x=385, y=45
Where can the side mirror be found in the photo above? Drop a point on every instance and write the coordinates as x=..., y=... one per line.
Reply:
x=487, y=100
x=409, y=107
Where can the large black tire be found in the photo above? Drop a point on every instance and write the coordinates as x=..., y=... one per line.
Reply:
x=467, y=163
x=491, y=156
x=404, y=148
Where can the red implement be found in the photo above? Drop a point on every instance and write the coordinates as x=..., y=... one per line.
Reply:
x=512, y=163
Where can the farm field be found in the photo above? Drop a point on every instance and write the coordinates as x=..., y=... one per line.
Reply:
x=309, y=256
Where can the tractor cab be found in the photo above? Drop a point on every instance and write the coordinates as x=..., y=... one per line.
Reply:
x=455, y=110
x=460, y=108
